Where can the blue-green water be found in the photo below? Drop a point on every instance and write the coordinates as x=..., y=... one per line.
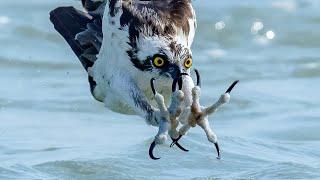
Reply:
x=51, y=128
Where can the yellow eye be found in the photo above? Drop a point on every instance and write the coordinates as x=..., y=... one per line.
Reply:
x=188, y=63
x=158, y=62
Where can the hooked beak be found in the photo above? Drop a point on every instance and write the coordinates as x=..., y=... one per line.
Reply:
x=178, y=80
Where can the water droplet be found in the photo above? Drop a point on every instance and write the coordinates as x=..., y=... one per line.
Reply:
x=256, y=27
x=220, y=25
x=270, y=35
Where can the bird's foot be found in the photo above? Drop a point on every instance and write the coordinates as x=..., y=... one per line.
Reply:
x=168, y=116
x=198, y=115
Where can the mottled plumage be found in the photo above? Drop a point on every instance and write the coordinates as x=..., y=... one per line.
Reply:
x=142, y=30
x=123, y=44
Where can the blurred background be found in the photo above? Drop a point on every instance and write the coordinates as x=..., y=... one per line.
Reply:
x=51, y=128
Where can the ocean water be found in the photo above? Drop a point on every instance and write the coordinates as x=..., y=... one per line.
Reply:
x=51, y=128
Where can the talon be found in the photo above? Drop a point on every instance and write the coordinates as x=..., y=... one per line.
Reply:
x=218, y=150
x=152, y=85
x=180, y=147
x=152, y=146
x=198, y=77
x=179, y=81
x=175, y=142
x=232, y=86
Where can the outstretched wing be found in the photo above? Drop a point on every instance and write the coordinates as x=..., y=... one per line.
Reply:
x=82, y=31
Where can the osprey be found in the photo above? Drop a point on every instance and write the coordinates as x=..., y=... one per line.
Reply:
x=123, y=44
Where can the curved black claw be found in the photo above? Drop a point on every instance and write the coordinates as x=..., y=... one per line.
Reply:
x=152, y=146
x=182, y=148
x=218, y=150
x=179, y=81
x=152, y=85
x=175, y=142
x=232, y=86
x=198, y=77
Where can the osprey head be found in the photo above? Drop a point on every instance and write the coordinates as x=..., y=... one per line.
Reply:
x=160, y=35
